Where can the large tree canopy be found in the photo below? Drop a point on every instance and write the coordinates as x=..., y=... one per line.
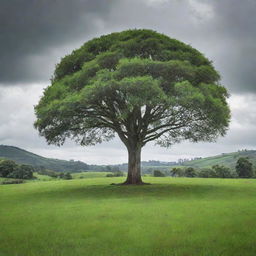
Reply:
x=138, y=84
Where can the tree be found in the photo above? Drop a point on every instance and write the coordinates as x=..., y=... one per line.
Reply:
x=7, y=167
x=138, y=84
x=190, y=172
x=244, y=168
x=22, y=172
x=10, y=169
x=177, y=172
x=222, y=171
x=67, y=176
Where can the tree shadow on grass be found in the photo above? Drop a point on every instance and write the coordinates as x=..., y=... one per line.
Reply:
x=163, y=191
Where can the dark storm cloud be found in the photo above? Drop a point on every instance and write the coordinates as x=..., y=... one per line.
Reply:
x=234, y=28
x=31, y=28
x=34, y=34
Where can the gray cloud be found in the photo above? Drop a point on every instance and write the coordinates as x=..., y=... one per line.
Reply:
x=35, y=34
x=32, y=28
x=234, y=31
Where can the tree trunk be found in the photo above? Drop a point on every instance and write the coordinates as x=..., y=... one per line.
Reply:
x=134, y=171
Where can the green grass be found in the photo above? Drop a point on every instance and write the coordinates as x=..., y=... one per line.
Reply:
x=84, y=175
x=40, y=177
x=173, y=216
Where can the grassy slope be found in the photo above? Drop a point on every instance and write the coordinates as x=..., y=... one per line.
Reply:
x=79, y=175
x=22, y=156
x=174, y=216
x=227, y=159
x=92, y=174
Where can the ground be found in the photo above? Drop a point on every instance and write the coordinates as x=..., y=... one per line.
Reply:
x=173, y=216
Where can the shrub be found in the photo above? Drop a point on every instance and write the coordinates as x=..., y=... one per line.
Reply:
x=49, y=173
x=67, y=176
x=206, y=173
x=61, y=175
x=17, y=181
x=158, y=173
x=115, y=174
x=222, y=171
x=177, y=172
x=190, y=172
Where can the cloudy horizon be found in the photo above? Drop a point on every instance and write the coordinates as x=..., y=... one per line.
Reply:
x=36, y=34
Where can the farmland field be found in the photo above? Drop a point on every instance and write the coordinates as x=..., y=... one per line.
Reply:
x=173, y=216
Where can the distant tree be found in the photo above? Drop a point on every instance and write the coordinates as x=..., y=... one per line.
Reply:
x=244, y=168
x=27, y=171
x=49, y=173
x=22, y=172
x=7, y=167
x=158, y=173
x=138, y=84
x=67, y=176
x=177, y=172
x=222, y=171
x=190, y=172
x=61, y=175
x=108, y=168
x=10, y=169
x=206, y=173
x=115, y=169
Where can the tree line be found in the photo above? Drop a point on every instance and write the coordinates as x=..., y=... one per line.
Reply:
x=10, y=169
x=243, y=169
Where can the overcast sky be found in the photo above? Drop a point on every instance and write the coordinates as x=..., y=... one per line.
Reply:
x=35, y=34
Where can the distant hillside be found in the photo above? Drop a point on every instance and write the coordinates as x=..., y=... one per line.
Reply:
x=22, y=156
x=227, y=159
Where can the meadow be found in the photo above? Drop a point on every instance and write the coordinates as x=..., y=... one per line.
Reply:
x=173, y=216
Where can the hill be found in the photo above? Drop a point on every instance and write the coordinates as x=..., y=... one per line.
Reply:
x=227, y=159
x=22, y=156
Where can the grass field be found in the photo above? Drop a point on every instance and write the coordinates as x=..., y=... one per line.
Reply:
x=79, y=175
x=86, y=175
x=173, y=216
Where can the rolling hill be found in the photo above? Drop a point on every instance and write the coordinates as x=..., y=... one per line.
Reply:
x=22, y=156
x=226, y=159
